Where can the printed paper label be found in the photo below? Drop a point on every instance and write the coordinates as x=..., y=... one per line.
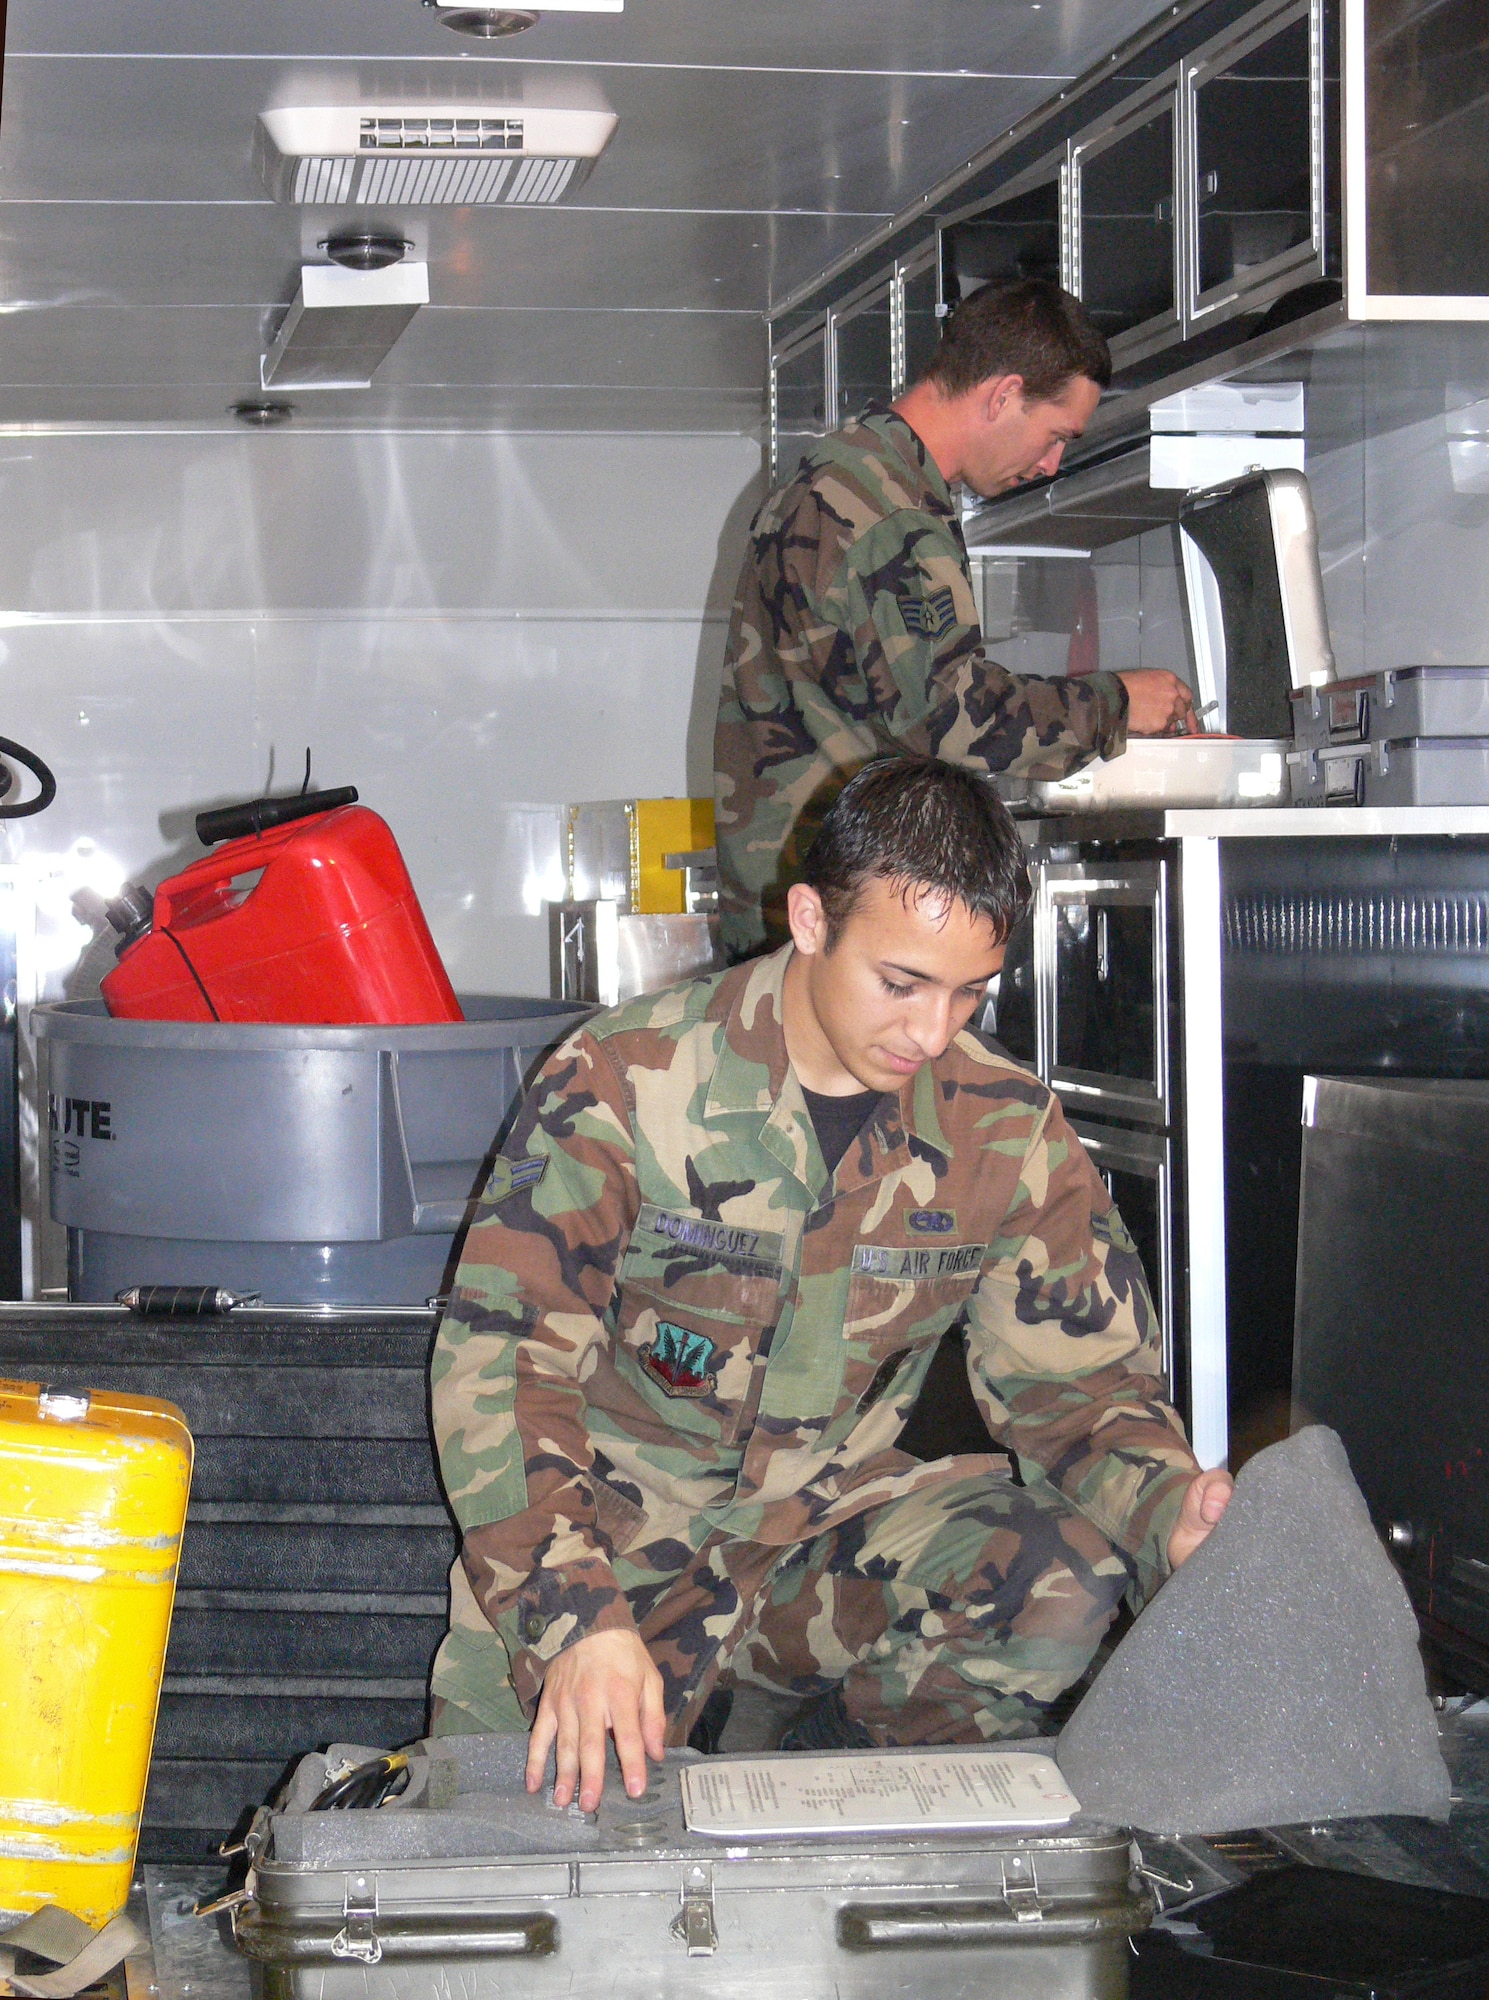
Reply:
x=925, y=1791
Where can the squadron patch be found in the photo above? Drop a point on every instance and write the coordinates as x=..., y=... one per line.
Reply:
x=512, y=1176
x=930, y=615
x=684, y=1362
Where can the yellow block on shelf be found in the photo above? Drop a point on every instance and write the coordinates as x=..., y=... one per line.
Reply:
x=617, y=848
x=93, y=1492
x=666, y=826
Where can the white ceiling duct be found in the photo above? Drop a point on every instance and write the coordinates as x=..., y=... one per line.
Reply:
x=420, y=155
x=341, y=324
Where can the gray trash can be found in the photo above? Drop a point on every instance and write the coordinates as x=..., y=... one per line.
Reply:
x=313, y=1165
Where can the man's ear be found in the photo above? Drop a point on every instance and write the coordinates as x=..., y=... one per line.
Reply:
x=807, y=918
x=999, y=394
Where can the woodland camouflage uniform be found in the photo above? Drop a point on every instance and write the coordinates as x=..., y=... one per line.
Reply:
x=855, y=632
x=670, y=1378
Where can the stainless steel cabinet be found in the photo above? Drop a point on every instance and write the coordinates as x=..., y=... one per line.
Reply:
x=1256, y=114
x=1124, y=225
x=862, y=348
x=1416, y=140
x=1209, y=192
x=798, y=399
x=1020, y=234
x=867, y=349
x=918, y=321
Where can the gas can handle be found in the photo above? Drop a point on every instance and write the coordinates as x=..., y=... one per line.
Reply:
x=258, y=815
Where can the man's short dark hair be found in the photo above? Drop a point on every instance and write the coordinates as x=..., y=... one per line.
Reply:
x=919, y=824
x=1030, y=328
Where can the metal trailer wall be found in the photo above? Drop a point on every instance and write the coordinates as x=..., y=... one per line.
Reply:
x=470, y=627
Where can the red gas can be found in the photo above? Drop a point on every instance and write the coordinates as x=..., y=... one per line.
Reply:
x=311, y=921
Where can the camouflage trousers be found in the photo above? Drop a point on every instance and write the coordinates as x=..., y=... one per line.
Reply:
x=955, y=1615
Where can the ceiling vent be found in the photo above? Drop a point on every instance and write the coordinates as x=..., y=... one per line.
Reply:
x=341, y=324
x=416, y=156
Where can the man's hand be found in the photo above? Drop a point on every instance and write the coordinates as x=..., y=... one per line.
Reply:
x=1207, y=1499
x=1158, y=704
x=604, y=1685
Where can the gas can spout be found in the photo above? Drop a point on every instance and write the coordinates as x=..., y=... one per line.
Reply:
x=131, y=913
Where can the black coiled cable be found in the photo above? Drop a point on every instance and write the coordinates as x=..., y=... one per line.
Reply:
x=23, y=808
x=368, y=1786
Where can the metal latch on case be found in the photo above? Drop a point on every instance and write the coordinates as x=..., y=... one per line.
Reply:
x=1021, y=1889
x=358, y=1936
x=694, y=1923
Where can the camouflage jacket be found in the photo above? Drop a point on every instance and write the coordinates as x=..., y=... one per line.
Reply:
x=669, y=1322
x=855, y=631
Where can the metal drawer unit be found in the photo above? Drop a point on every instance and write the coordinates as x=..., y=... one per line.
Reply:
x=1091, y=998
x=1101, y=967
x=1138, y=1168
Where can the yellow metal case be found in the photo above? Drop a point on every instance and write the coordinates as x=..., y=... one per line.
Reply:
x=93, y=1492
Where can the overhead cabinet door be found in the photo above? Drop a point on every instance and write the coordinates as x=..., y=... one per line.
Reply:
x=863, y=351
x=1019, y=234
x=1255, y=178
x=798, y=401
x=1125, y=230
x=1417, y=158
x=918, y=327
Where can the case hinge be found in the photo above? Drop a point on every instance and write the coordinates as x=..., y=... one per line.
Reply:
x=694, y=1923
x=358, y=1936
x=1021, y=1889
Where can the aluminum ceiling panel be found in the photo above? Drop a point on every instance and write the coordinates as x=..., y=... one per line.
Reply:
x=153, y=254
x=141, y=262
x=591, y=408
x=870, y=34
x=163, y=346
x=688, y=139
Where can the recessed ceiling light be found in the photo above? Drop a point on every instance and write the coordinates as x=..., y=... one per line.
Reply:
x=486, y=23
x=261, y=412
x=365, y=249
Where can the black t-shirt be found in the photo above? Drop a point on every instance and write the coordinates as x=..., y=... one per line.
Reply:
x=838, y=1121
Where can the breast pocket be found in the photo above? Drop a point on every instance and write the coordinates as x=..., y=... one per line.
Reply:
x=901, y=1299
x=695, y=1300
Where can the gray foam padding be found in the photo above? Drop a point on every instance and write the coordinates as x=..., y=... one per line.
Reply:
x=1274, y=1678
x=490, y=1815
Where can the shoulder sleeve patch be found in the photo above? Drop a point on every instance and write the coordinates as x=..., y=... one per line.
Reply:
x=930, y=614
x=509, y=1177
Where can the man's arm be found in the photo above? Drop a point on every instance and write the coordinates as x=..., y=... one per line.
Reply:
x=915, y=631
x=516, y=1342
x=1064, y=1354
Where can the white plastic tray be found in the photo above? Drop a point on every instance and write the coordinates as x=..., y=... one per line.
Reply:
x=1173, y=771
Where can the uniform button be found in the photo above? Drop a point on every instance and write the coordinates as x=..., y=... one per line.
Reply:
x=534, y=1625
